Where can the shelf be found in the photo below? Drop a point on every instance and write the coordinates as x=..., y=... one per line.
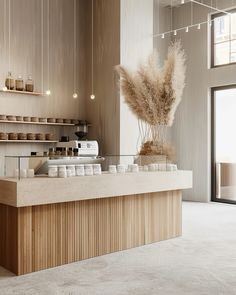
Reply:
x=22, y=92
x=35, y=123
x=28, y=141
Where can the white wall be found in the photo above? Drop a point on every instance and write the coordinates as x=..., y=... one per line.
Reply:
x=136, y=44
x=191, y=130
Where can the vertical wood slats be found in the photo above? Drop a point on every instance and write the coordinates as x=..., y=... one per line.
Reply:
x=56, y=234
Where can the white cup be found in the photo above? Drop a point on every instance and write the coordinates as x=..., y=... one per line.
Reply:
x=145, y=168
x=151, y=167
x=121, y=168
x=162, y=167
x=88, y=169
x=16, y=173
x=134, y=168
x=112, y=169
x=30, y=173
x=52, y=171
x=23, y=173
x=79, y=170
x=62, y=173
x=97, y=169
x=70, y=170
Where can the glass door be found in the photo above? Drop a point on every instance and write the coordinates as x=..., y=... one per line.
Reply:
x=224, y=144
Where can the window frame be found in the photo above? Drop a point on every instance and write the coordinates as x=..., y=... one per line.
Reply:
x=212, y=33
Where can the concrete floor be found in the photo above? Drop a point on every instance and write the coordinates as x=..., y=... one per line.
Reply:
x=202, y=261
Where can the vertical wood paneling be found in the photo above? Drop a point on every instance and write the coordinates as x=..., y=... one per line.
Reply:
x=103, y=112
x=8, y=238
x=26, y=59
x=25, y=240
x=51, y=235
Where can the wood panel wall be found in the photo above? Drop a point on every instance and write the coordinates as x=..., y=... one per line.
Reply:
x=53, y=235
x=29, y=51
x=103, y=112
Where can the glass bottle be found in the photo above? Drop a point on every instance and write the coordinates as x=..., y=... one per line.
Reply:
x=9, y=82
x=29, y=85
x=19, y=83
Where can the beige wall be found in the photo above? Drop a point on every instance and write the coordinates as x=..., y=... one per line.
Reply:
x=26, y=59
x=136, y=45
x=191, y=130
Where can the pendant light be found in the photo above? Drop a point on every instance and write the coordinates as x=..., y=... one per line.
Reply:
x=92, y=96
x=48, y=91
x=75, y=94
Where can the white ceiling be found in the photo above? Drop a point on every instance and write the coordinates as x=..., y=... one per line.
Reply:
x=169, y=2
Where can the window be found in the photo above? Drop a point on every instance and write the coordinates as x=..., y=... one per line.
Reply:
x=223, y=39
x=224, y=144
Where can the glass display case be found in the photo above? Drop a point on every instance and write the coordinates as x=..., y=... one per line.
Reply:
x=20, y=167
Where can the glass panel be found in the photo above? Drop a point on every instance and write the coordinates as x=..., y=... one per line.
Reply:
x=225, y=143
x=233, y=26
x=222, y=53
x=233, y=52
x=221, y=29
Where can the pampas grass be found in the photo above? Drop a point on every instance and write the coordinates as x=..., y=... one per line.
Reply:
x=153, y=93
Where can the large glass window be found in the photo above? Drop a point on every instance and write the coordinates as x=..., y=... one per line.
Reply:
x=224, y=144
x=223, y=38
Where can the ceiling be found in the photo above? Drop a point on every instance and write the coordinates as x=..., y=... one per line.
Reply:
x=169, y=2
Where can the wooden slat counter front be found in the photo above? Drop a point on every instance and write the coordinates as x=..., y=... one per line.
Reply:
x=48, y=222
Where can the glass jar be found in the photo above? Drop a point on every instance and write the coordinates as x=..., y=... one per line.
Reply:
x=76, y=152
x=19, y=84
x=51, y=152
x=29, y=85
x=70, y=152
x=64, y=152
x=9, y=82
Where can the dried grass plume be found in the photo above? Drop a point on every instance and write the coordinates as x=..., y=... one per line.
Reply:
x=154, y=93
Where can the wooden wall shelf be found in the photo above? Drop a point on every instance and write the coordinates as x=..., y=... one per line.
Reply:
x=28, y=141
x=22, y=92
x=35, y=123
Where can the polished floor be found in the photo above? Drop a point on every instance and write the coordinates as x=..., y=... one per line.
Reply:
x=202, y=261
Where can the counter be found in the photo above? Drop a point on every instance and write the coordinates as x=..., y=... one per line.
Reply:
x=47, y=222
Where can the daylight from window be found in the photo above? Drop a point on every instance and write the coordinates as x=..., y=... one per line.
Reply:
x=224, y=39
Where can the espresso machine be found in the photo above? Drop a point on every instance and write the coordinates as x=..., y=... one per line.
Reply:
x=88, y=150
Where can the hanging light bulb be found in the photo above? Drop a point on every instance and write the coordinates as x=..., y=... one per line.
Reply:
x=210, y=23
x=187, y=30
x=4, y=88
x=75, y=95
x=199, y=26
x=182, y=1
x=92, y=96
x=163, y=36
x=175, y=32
x=48, y=92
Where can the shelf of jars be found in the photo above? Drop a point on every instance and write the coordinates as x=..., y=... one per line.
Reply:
x=21, y=92
x=27, y=141
x=16, y=119
x=36, y=123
